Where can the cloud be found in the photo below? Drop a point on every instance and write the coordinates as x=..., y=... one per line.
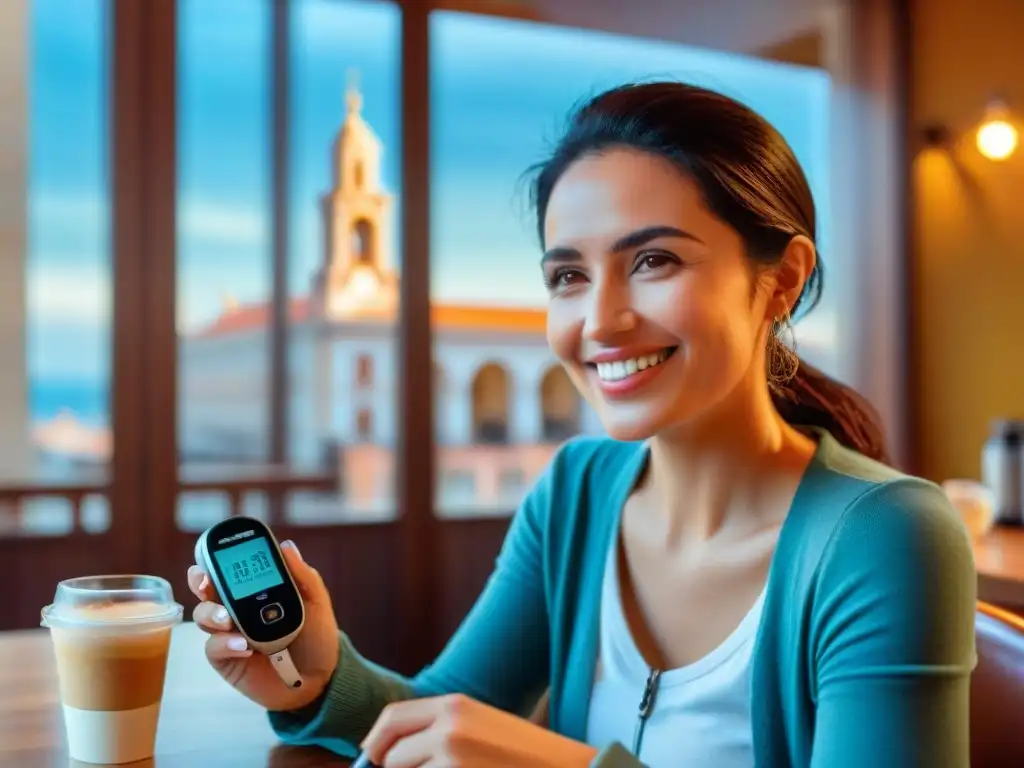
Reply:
x=199, y=220
x=61, y=290
x=72, y=209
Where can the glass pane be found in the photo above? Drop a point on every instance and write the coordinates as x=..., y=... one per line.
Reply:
x=500, y=91
x=344, y=196
x=343, y=166
x=55, y=266
x=198, y=510
x=224, y=279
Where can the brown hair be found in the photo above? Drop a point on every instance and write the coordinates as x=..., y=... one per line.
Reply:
x=750, y=178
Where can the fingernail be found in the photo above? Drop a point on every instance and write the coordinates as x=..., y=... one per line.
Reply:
x=291, y=545
x=237, y=644
x=221, y=616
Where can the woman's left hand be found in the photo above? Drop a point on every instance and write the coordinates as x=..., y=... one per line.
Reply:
x=455, y=731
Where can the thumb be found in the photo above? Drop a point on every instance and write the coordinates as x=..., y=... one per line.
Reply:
x=307, y=579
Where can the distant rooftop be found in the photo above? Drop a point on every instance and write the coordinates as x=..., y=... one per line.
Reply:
x=240, y=318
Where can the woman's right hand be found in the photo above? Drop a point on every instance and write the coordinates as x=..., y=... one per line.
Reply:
x=314, y=651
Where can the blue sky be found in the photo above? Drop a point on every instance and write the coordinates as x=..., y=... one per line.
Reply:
x=500, y=91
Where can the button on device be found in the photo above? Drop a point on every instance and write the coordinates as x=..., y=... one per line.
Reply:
x=271, y=613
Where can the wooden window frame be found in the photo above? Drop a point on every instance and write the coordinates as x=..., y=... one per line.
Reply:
x=145, y=483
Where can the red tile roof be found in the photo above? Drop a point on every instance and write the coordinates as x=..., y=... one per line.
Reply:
x=442, y=316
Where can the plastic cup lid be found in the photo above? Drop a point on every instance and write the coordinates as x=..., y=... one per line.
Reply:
x=114, y=602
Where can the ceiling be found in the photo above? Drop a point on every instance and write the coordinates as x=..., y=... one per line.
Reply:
x=778, y=27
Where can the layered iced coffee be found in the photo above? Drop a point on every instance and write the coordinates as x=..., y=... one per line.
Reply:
x=111, y=636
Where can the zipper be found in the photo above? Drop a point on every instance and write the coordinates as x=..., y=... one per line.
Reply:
x=646, y=707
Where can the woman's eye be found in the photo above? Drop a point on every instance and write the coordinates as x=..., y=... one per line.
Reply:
x=564, y=278
x=652, y=261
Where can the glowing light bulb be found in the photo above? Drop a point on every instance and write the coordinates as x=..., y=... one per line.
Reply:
x=997, y=137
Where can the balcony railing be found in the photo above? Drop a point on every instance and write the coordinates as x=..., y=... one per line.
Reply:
x=234, y=481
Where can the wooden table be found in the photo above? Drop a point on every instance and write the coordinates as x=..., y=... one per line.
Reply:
x=203, y=722
x=999, y=560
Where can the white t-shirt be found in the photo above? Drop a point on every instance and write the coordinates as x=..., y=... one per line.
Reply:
x=701, y=714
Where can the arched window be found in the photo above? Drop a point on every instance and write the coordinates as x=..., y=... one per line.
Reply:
x=364, y=372
x=560, y=406
x=363, y=244
x=490, y=404
x=364, y=425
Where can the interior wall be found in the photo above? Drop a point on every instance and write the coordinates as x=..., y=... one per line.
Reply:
x=703, y=23
x=968, y=230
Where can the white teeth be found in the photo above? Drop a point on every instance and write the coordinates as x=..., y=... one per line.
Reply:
x=620, y=369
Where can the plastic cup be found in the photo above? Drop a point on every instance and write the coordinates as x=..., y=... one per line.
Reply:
x=111, y=636
x=975, y=503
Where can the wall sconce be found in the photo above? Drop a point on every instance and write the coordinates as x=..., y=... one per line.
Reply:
x=997, y=136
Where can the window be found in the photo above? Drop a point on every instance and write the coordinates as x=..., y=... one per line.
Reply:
x=344, y=263
x=511, y=485
x=459, y=489
x=342, y=267
x=500, y=90
x=364, y=371
x=560, y=406
x=363, y=245
x=364, y=426
x=224, y=244
x=491, y=404
x=55, y=272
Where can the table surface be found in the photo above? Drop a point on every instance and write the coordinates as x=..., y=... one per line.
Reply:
x=203, y=722
x=999, y=560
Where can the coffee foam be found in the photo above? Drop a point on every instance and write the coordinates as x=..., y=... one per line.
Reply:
x=113, y=611
x=122, y=616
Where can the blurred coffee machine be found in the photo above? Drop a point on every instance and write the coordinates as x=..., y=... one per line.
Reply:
x=1002, y=468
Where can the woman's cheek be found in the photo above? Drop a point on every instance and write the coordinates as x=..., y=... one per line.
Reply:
x=563, y=330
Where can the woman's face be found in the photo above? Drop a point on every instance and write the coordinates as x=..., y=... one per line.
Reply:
x=654, y=310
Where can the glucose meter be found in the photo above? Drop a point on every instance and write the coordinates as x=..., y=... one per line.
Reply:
x=244, y=563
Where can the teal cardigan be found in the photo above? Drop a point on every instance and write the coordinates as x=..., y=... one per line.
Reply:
x=863, y=656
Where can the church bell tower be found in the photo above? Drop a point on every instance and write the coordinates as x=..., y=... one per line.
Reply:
x=354, y=278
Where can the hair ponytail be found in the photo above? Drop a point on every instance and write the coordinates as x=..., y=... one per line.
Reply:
x=810, y=398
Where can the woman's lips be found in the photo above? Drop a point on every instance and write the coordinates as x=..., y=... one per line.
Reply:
x=623, y=377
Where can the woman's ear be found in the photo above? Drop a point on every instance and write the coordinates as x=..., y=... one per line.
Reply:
x=793, y=272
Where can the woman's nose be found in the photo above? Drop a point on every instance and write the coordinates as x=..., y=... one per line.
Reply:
x=610, y=312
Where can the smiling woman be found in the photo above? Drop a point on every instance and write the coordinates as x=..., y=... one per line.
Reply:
x=729, y=578
x=498, y=88
x=751, y=234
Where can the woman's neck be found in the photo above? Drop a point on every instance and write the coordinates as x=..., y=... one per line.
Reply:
x=738, y=466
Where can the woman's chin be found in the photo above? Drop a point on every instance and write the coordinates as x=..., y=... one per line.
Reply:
x=631, y=430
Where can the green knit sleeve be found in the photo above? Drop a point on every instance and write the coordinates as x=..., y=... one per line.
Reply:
x=893, y=633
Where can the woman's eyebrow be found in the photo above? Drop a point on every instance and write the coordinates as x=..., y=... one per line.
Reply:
x=567, y=255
